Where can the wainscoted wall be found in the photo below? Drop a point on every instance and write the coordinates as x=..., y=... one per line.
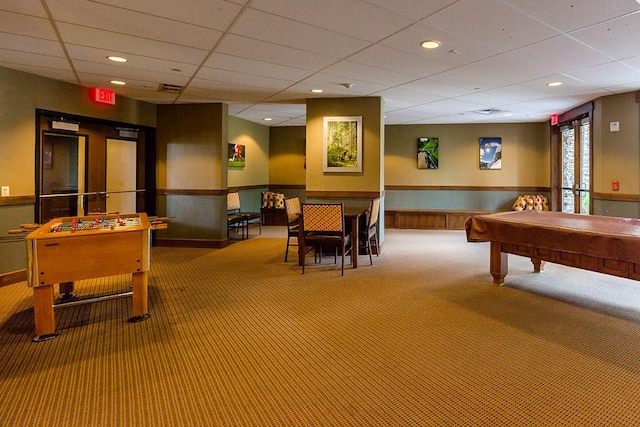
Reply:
x=447, y=207
x=13, y=211
x=627, y=206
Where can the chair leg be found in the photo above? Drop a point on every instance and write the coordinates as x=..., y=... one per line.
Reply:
x=368, y=246
x=375, y=238
x=286, y=252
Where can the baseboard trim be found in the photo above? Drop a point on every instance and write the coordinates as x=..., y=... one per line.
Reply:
x=192, y=243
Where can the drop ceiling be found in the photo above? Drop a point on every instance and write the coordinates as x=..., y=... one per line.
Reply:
x=263, y=57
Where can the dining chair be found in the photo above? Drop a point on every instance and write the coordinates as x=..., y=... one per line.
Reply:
x=323, y=226
x=370, y=231
x=292, y=207
x=235, y=220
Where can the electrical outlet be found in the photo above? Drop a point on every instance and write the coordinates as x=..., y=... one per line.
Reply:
x=5, y=191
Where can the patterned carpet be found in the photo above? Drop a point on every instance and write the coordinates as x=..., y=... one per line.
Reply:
x=238, y=337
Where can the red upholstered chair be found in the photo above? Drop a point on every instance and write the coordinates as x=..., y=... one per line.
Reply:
x=323, y=226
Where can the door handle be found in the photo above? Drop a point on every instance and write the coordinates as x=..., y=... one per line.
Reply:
x=578, y=189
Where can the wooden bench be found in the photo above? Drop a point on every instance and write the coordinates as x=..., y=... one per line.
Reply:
x=429, y=219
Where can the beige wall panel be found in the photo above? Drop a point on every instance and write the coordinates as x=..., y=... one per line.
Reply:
x=287, y=155
x=370, y=108
x=193, y=141
x=525, y=155
x=616, y=154
x=22, y=94
x=255, y=138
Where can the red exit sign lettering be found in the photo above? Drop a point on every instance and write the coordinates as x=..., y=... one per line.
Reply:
x=104, y=96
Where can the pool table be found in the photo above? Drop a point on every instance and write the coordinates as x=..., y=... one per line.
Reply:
x=609, y=245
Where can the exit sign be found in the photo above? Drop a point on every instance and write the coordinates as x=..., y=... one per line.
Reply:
x=104, y=96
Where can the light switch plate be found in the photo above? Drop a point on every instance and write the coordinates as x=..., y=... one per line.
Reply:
x=614, y=126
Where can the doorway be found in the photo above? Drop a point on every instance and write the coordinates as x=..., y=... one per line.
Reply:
x=86, y=166
x=576, y=166
x=571, y=161
x=121, y=175
x=62, y=164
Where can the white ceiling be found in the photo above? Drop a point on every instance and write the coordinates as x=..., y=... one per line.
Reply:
x=263, y=57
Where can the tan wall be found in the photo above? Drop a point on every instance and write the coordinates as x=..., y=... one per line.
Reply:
x=255, y=138
x=370, y=108
x=191, y=140
x=616, y=155
x=22, y=94
x=287, y=156
x=525, y=155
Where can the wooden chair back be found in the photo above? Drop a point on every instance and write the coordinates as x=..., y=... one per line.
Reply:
x=292, y=207
x=322, y=217
x=233, y=202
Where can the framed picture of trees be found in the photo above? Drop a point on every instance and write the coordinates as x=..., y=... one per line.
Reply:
x=342, y=144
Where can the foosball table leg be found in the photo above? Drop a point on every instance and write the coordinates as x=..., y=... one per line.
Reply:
x=43, y=313
x=139, y=297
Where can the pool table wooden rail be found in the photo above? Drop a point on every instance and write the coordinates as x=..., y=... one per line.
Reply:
x=606, y=245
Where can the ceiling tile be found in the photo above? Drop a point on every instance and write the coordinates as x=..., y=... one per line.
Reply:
x=492, y=23
x=246, y=47
x=399, y=61
x=117, y=42
x=216, y=14
x=354, y=18
x=127, y=22
x=568, y=16
x=254, y=67
x=618, y=38
x=285, y=32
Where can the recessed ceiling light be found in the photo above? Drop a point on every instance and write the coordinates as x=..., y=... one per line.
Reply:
x=117, y=59
x=267, y=119
x=118, y=82
x=316, y=90
x=553, y=84
x=430, y=44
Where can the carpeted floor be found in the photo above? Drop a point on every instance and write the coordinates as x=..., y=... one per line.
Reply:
x=238, y=337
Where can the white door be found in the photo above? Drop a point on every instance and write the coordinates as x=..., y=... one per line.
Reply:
x=121, y=176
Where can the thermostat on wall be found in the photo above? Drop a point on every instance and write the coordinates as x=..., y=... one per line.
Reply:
x=614, y=126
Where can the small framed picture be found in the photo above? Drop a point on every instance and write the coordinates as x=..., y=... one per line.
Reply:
x=427, y=153
x=491, y=153
x=236, y=156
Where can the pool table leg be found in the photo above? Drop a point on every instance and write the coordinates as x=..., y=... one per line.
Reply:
x=139, y=297
x=538, y=264
x=498, y=263
x=43, y=313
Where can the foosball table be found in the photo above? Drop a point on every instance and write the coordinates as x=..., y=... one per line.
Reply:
x=69, y=249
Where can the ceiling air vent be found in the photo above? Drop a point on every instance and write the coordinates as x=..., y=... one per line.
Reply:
x=488, y=111
x=164, y=87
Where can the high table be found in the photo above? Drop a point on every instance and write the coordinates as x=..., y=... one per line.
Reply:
x=607, y=245
x=74, y=248
x=351, y=214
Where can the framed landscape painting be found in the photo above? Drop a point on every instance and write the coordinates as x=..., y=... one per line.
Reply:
x=342, y=144
x=491, y=153
x=427, y=153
